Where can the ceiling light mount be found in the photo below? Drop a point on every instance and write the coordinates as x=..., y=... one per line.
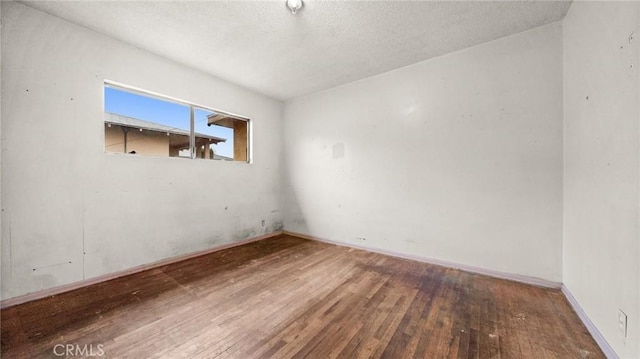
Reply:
x=294, y=5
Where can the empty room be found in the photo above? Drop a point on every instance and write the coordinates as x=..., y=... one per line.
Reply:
x=320, y=179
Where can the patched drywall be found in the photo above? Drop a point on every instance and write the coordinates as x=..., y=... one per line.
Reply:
x=601, y=261
x=72, y=212
x=1, y=148
x=457, y=158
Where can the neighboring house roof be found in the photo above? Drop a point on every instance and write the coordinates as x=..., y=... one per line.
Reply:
x=224, y=158
x=125, y=121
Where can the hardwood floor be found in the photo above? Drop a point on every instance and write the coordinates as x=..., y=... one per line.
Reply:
x=288, y=297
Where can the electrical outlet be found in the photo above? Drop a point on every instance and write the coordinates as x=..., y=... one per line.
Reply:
x=622, y=322
x=262, y=223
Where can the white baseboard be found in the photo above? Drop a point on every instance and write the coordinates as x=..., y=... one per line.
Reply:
x=103, y=278
x=595, y=333
x=489, y=272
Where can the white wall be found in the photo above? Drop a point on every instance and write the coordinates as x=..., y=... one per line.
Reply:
x=72, y=212
x=457, y=158
x=1, y=148
x=601, y=166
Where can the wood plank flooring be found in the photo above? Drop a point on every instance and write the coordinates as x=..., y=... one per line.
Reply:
x=288, y=297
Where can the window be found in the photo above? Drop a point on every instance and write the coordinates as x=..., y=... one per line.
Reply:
x=139, y=123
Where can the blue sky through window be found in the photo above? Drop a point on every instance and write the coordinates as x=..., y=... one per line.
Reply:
x=166, y=113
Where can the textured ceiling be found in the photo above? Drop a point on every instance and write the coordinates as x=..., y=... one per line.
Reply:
x=262, y=46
